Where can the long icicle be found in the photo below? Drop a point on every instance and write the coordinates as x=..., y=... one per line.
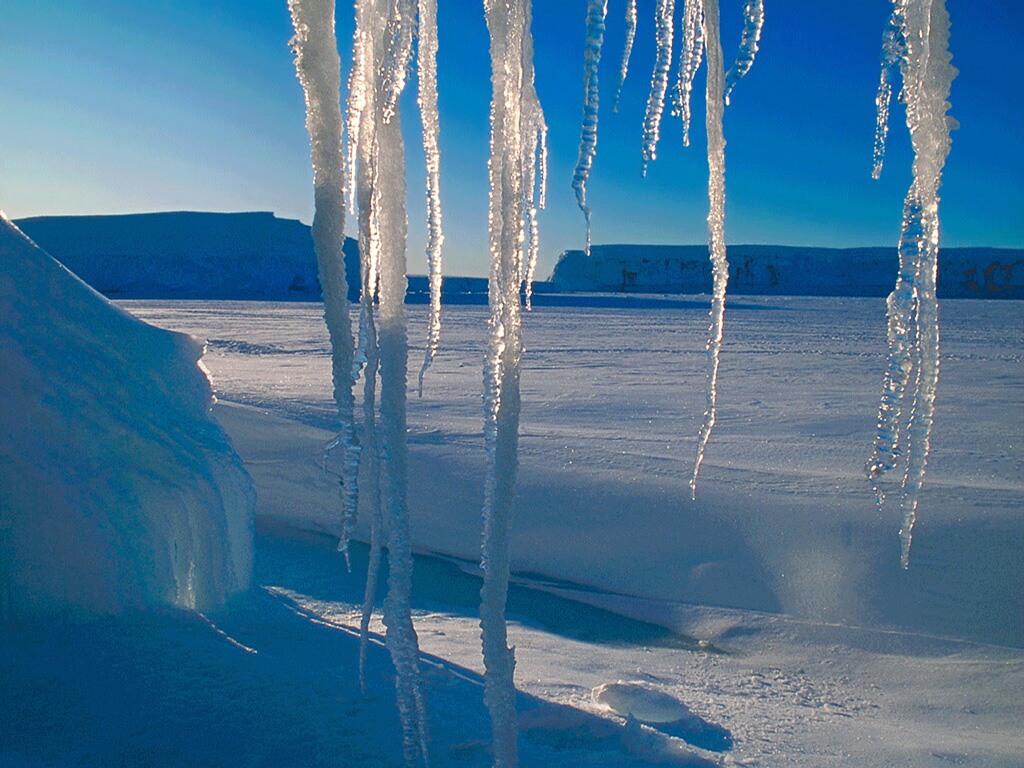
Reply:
x=535, y=169
x=689, y=60
x=427, y=99
x=596, y=12
x=361, y=165
x=753, y=21
x=716, y=224
x=318, y=67
x=383, y=227
x=508, y=24
x=401, y=29
x=627, y=52
x=927, y=74
x=664, y=31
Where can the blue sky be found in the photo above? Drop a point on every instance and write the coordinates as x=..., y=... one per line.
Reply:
x=109, y=106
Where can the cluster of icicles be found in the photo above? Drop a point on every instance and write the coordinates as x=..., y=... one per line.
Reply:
x=701, y=38
x=358, y=161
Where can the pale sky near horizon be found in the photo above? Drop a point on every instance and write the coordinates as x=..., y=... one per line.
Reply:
x=108, y=106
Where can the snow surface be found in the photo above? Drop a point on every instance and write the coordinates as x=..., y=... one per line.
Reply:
x=117, y=489
x=611, y=399
x=780, y=270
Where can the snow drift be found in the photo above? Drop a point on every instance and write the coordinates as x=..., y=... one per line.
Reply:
x=117, y=489
x=781, y=270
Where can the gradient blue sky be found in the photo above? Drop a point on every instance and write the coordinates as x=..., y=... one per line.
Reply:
x=109, y=106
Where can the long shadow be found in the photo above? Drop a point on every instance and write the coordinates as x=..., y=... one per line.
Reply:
x=441, y=585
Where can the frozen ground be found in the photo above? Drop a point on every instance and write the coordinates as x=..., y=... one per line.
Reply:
x=773, y=608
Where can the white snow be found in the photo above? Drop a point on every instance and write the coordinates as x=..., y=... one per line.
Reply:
x=117, y=489
x=785, y=521
x=639, y=700
x=834, y=656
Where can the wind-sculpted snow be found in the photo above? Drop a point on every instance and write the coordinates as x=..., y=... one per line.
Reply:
x=907, y=409
x=319, y=70
x=427, y=100
x=689, y=60
x=663, y=24
x=511, y=171
x=627, y=51
x=716, y=225
x=118, y=490
x=596, y=12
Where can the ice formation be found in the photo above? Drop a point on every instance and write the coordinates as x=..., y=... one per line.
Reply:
x=664, y=31
x=919, y=35
x=427, y=100
x=516, y=121
x=375, y=164
x=700, y=30
x=892, y=51
x=753, y=21
x=535, y=173
x=118, y=490
x=319, y=70
x=689, y=60
x=715, y=106
x=596, y=12
x=627, y=51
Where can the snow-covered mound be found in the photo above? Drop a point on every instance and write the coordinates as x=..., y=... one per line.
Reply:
x=117, y=489
x=780, y=270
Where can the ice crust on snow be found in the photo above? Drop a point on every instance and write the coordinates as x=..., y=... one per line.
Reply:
x=640, y=701
x=117, y=489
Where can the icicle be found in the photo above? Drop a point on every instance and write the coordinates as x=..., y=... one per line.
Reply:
x=663, y=24
x=922, y=35
x=716, y=224
x=318, y=67
x=508, y=23
x=689, y=60
x=398, y=52
x=753, y=21
x=892, y=51
x=535, y=149
x=401, y=635
x=362, y=170
x=427, y=99
x=373, y=491
x=380, y=178
x=596, y=12
x=627, y=51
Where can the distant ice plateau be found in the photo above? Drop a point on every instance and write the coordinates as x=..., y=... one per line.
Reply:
x=783, y=270
x=258, y=256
